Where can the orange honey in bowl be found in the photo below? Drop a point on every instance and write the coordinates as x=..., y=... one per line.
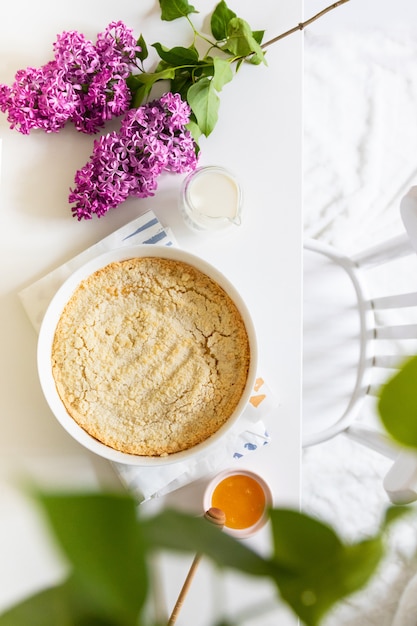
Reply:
x=241, y=498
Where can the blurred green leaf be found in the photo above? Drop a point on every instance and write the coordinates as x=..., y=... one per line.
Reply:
x=101, y=539
x=64, y=605
x=106, y=542
x=47, y=608
x=324, y=569
x=177, y=531
x=359, y=563
x=300, y=540
x=393, y=513
x=397, y=404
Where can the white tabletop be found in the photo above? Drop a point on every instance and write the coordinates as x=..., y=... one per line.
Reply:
x=258, y=136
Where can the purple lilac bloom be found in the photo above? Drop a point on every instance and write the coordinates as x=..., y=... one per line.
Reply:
x=152, y=138
x=84, y=84
x=39, y=98
x=76, y=57
x=117, y=48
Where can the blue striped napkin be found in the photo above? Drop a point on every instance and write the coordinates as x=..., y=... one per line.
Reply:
x=144, y=229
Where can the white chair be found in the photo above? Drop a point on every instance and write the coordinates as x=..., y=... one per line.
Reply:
x=360, y=322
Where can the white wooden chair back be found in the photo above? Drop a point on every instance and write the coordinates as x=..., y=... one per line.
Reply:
x=360, y=323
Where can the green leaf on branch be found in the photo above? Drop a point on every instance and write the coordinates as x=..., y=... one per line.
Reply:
x=242, y=43
x=258, y=35
x=178, y=55
x=220, y=19
x=181, y=83
x=397, y=405
x=195, y=130
x=141, y=94
x=198, y=80
x=140, y=85
x=173, y=9
x=150, y=78
x=204, y=102
x=143, y=53
x=222, y=73
x=203, y=99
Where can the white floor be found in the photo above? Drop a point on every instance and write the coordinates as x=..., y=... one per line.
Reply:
x=360, y=15
x=360, y=110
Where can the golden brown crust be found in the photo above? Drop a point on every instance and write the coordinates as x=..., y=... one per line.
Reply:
x=150, y=356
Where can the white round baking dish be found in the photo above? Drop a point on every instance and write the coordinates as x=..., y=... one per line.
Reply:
x=46, y=336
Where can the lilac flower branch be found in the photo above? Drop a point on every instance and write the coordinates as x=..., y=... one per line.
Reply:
x=88, y=83
x=85, y=84
x=152, y=139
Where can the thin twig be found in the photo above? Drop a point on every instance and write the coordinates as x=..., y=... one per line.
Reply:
x=302, y=25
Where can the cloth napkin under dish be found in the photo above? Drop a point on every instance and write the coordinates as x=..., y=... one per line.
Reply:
x=247, y=435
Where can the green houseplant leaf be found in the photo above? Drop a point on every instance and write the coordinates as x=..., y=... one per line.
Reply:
x=397, y=405
x=101, y=539
x=107, y=544
x=64, y=605
x=177, y=531
x=393, y=513
x=323, y=568
x=47, y=608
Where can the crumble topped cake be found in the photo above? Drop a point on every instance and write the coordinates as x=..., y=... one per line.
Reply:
x=150, y=356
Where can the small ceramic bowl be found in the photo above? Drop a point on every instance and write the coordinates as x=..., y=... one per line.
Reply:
x=244, y=497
